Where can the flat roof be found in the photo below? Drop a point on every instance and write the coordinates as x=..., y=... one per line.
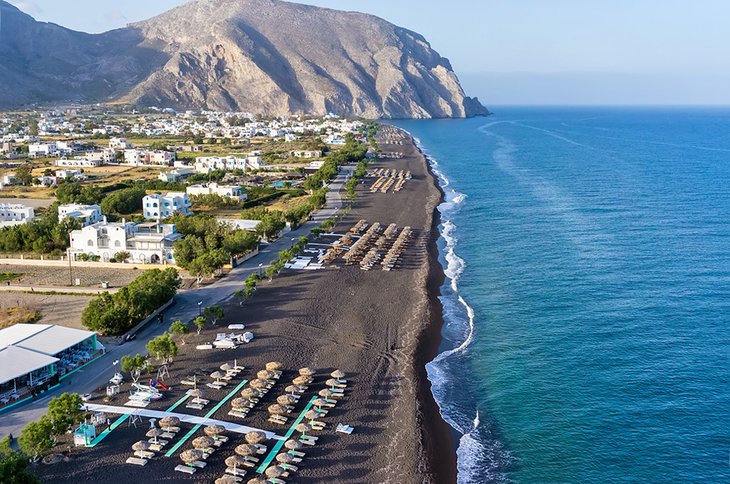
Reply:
x=16, y=362
x=42, y=338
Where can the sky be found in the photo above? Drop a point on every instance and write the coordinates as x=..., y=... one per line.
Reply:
x=526, y=51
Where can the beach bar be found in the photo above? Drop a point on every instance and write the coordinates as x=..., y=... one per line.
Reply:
x=34, y=357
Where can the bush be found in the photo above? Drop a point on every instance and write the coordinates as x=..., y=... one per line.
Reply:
x=64, y=412
x=36, y=437
x=125, y=201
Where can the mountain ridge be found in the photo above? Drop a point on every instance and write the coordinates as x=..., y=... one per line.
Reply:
x=262, y=56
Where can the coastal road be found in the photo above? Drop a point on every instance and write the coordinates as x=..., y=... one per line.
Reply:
x=97, y=373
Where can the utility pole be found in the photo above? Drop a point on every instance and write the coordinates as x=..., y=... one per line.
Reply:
x=70, y=270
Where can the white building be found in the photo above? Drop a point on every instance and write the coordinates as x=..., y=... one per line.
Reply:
x=157, y=206
x=206, y=164
x=42, y=150
x=119, y=144
x=148, y=243
x=88, y=214
x=15, y=214
x=175, y=175
x=229, y=191
x=69, y=174
x=81, y=162
x=144, y=157
x=307, y=154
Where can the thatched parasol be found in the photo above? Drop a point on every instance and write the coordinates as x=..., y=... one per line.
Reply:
x=306, y=372
x=249, y=393
x=191, y=455
x=246, y=450
x=258, y=383
x=217, y=375
x=235, y=461
x=255, y=437
x=196, y=393
x=311, y=415
x=274, y=366
x=214, y=430
x=293, y=444
x=275, y=471
x=226, y=367
x=257, y=480
x=154, y=433
x=265, y=375
x=304, y=428
x=319, y=403
x=332, y=383
x=203, y=442
x=226, y=480
x=239, y=403
x=276, y=409
x=286, y=400
x=170, y=421
x=337, y=374
x=291, y=389
x=141, y=445
x=285, y=458
x=326, y=393
x=301, y=381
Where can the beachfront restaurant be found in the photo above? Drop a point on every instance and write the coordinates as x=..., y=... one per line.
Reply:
x=34, y=357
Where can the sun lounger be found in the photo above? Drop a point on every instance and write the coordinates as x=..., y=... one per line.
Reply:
x=252, y=459
x=236, y=326
x=194, y=406
x=238, y=472
x=136, y=404
x=344, y=429
x=307, y=441
x=221, y=438
x=297, y=455
x=185, y=469
x=319, y=426
x=261, y=449
x=159, y=442
x=203, y=347
x=289, y=467
x=217, y=385
x=156, y=447
x=137, y=461
x=238, y=413
x=189, y=382
x=278, y=419
x=276, y=480
x=168, y=435
x=200, y=464
x=144, y=454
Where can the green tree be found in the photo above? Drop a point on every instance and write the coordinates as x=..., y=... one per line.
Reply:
x=36, y=437
x=178, y=328
x=135, y=365
x=270, y=225
x=125, y=201
x=24, y=174
x=122, y=256
x=163, y=347
x=64, y=412
x=199, y=323
x=213, y=313
x=14, y=469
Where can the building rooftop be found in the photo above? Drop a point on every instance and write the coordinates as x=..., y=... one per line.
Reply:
x=42, y=338
x=16, y=362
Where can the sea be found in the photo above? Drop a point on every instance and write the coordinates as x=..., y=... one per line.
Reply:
x=587, y=298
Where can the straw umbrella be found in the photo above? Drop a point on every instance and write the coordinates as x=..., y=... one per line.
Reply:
x=249, y=393
x=203, y=443
x=265, y=375
x=196, y=393
x=274, y=366
x=301, y=381
x=246, y=450
x=235, y=462
x=338, y=374
x=257, y=480
x=306, y=372
x=286, y=400
x=214, y=430
x=226, y=367
x=217, y=375
x=276, y=409
x=304, y=428
x=332, y=383
x=142, y=445
x=318, y=404
x=191, y=455
x=238, y=403
x=154, y=433
x=275, y=471
x=226, y=480
x=312, y=415
x=258, y=383
x=326, y=393
x=169, y=421
x=285, y=458
x=255, y=437
x=291, y=390
x=293, y=444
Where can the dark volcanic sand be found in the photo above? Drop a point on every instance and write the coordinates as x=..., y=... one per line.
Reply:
x=379, y=327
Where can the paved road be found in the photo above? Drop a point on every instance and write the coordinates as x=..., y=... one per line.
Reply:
x=98, y=373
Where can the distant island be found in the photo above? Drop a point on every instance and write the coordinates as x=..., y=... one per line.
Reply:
x=261, y=56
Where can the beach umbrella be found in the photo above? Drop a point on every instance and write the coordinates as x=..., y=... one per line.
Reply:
x=332, y=383
x=274, y=366
x=319, y=403
x=196, y=393
x=275, y=471
x=338, y=374
x=258, y=383
x=191, y=455
x=235, y=461
x=293, y=444
x=286, y=400
x=255, y=437
x=249, y=393
x=246, y=450
x=257, y=480
x=304, y=428
x=301, y=381
x=214, y=430
x=265, y=375
x=154, y=433
x=141, y=445
x=226, y=367
x=326, y=393
x=312, y=415
x=239, y=403
x=306, y=371
x=226, y=480
x=169, y=421
x=285, y=458
x=203, y=442
x=291, y=389
x=276, y=409
x=217, y=375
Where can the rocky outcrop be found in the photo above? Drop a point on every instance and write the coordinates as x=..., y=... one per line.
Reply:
x=263, y=56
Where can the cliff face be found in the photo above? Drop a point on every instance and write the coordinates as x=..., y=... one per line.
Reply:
x=263, y=56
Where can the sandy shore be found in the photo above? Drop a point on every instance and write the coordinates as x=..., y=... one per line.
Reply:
x=378, y=327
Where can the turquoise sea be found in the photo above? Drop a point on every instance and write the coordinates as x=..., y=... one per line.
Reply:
x=587, y=304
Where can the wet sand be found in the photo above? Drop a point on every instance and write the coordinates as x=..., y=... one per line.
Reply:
x=380, y=328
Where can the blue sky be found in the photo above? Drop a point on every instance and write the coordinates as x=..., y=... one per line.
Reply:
x=526, y=51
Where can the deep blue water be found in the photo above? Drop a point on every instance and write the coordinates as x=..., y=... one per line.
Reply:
x=593, y=246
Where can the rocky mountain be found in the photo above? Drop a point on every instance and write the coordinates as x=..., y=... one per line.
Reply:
x=263, y=56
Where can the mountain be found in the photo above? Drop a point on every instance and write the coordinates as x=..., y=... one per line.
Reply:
x=263, y=56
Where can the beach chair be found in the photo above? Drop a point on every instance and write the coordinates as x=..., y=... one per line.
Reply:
x=243, y=413
x=275, y=480
x=278, y=419
x=261, y=449
x=156, y=447
x=185, y=469
x=168, y=435
x=137, y=461
x=298, y=456
x=194, y=406
x=199, y=464
x=144, y=454
x=203, y=347
x=308, y=440
x=344, y=429
x=238, y=472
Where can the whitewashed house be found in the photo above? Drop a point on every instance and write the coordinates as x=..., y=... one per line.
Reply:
x=69, y=174
x=206, y=164
x=175, y=175
x=307, y=154
x=147, y=243
x=15, y=214
x=229, y=191
x=158, y=206
x=88, y=214
x=119, y=144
